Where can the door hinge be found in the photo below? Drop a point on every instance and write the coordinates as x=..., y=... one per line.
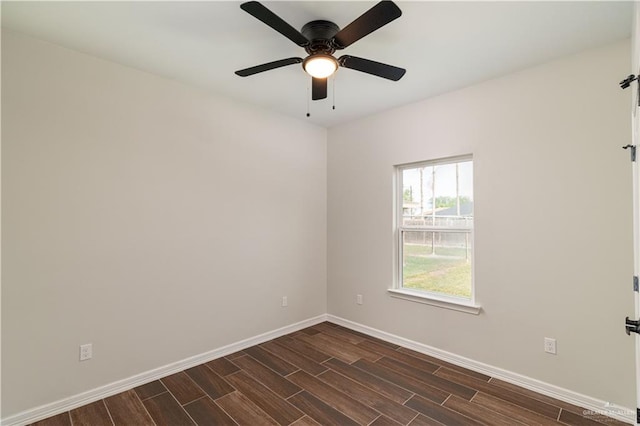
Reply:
x=627, y=82
x=635, y=283
x=631, y=326
x=633, y=151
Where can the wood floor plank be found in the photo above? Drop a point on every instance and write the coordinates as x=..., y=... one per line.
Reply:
x=423, y=420
x=206, y=412
x=334, y=398
x=337, y=351
x=320, y=327
x=366, y=336
x=272, y=361
x=302, y=362
x=299, y=333
x=499, y=392
x=222, y=366
x=94, y=414
x=555, y=402
x=384, y=421
x=303, y=348
x=319, y=411
x=409, y=383
x=373, y=399
x=305, y=421
x=428, y=378
x=478, y=412
x=574, y=419
x=278, y=408
x=61, y=419
x=266, y=376
x=382, y=349
x=439, y=413
x=235, y=355
x=210, y=382
x=420, y=364
x=127, y=409
x=165, y=410
x=244, y=411
x=183, y=388
x=310, y=330
x=340, y=349
x=446, y=364
x=150, y=390
x=339, y=333
x=379, y=385
x=610, y=421
x=511, y=410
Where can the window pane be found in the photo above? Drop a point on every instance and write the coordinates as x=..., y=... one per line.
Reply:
x=438, y=262
x=417, y=195
x=440, y=195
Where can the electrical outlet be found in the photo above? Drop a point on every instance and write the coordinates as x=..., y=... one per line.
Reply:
x=359, y=299
x=86, y=352
x=550, y=345
x=285, y=302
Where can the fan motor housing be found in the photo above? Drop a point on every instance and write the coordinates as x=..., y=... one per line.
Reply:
x=320, y=33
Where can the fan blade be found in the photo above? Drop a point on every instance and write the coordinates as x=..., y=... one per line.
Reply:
x=260, y=12
x=372, y=67
x=378, y=16
x=268, y=66
x=318, y=88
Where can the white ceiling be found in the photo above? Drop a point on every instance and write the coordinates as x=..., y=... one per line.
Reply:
x=443, y=45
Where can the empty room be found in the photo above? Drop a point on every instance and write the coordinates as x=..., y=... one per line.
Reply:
x=320, y=213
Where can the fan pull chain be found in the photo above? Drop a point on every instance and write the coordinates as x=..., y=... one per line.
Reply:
x=333, y=90
x=308, y=95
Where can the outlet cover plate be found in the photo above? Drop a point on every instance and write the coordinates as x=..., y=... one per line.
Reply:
x=86, y=352
x=550, y=346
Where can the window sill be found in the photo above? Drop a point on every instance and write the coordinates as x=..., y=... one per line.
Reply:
x=431, y=299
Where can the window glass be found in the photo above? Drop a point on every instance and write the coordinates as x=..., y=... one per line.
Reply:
x=436, y=228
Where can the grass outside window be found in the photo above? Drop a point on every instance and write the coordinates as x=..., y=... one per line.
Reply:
x=446, y=272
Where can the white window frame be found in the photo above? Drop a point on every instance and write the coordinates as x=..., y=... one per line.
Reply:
x=429, y=298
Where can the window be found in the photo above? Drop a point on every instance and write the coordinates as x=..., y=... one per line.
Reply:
x=435, y=230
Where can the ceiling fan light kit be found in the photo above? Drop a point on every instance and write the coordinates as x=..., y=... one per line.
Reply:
x=320, y=65
x=320, y=39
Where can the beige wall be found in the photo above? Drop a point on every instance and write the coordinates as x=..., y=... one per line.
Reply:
x=553, y=212
x=150, y=219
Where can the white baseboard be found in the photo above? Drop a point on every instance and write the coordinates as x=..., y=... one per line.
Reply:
x=592, y=404
x=75, y=401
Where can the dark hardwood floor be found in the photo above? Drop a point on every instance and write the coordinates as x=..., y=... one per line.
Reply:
x=328, y=375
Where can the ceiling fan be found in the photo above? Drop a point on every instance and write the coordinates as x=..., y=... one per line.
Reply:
x=320, y=39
